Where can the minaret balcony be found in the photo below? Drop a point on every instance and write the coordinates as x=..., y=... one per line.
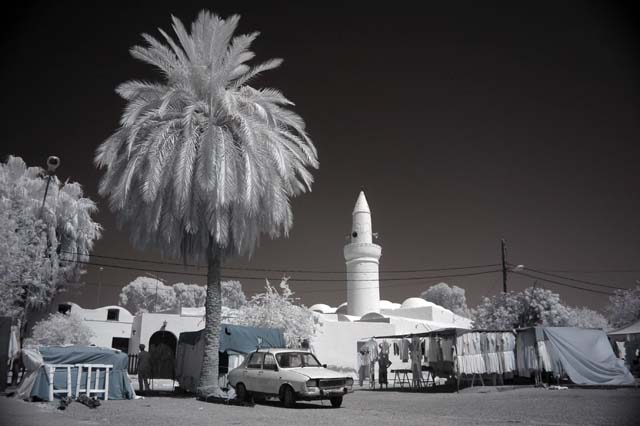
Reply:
x=362, y=251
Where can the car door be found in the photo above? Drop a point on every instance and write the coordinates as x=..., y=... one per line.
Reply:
x=253, y=372
x=269, y=380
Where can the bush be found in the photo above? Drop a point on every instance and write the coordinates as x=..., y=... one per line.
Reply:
x=60, y=329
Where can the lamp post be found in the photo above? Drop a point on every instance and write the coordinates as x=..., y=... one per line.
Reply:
x=53, y=163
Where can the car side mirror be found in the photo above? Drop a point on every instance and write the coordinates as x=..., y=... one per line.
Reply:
x=324, y=365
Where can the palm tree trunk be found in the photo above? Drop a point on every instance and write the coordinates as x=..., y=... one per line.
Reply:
x=208, y=385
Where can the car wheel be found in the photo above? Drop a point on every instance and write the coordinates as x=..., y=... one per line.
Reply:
x=241, y=392
x=336, y=401
x=288, y=397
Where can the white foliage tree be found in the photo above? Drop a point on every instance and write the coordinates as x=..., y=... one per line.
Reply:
x=189, y=295
x=23, y=247
x=60, y=329
x=624, y=307
x=530, y=307
x=584, y=317
x=232, y=295
x=146, y=294
x=278, y=309
x=41, y=244
x=452, y=298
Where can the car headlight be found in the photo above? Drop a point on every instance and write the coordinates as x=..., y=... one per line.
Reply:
x=349, y=381
x=313, y=383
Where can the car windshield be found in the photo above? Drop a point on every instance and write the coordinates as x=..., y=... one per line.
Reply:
x=297, y=359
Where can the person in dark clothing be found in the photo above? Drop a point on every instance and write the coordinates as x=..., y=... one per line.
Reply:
x=144, y=369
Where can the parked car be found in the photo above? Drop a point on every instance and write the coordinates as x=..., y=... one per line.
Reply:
x=289, y=374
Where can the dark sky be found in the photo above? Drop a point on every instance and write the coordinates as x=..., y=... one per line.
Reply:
x=466, y=123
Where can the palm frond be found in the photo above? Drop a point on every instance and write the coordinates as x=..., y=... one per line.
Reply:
x=201, y=154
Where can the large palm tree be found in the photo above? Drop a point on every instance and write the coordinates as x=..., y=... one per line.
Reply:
x=203, y=163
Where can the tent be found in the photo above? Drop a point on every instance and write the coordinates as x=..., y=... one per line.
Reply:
x=627, y=342
x=584, y=355
x=36, y=381
x=235, y=341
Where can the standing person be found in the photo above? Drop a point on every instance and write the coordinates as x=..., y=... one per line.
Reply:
x=144, y=368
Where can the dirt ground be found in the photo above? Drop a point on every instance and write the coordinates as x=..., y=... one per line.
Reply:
x=489, y=406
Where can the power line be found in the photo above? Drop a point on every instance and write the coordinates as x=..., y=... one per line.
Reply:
x=575, y=280
x=595, y=271
x=310, y=271
x=233, y=277
x=329, y=290
x=562, y=284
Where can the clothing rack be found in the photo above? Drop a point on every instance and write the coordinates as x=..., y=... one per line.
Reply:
x=453, y=333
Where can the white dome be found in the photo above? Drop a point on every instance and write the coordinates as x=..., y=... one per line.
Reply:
x=322, y=308
x=415, y=302
x=385, y=304
x=372, y=316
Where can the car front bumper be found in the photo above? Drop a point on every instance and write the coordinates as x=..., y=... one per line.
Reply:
x=324, y=393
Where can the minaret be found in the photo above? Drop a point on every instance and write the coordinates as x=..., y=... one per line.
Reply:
x=362, y=258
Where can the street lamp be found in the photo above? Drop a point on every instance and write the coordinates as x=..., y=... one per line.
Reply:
x=53, y=163
x=517, y=268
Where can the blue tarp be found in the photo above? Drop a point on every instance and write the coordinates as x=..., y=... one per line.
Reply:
x=119, y=384
x=586, y=356
x=240, y=339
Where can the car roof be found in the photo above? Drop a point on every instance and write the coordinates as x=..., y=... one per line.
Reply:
x=280, y=350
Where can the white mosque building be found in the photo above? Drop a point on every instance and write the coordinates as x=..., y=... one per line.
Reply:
x=340, y=328
x=364, y=315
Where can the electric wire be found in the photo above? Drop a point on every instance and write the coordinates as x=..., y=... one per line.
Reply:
x=563, y=284
x=574, y=279
x=310, y=271
x=307, y=291
x=235, y=277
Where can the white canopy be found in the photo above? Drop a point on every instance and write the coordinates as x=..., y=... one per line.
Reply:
x=633, y=328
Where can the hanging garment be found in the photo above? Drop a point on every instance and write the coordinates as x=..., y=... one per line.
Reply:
x=425, y=346
x=526, y=357
x=384, y=347
x=396, y=349
x=373, y=351
x=363, y=364
x=622, y=350
x=416, y=360
x=543, y=354
x=507, y=354
x=470, y=359
x=434, y=350
x=404, y=350
x=446, y=345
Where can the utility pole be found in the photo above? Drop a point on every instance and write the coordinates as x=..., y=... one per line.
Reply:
x=504, y=265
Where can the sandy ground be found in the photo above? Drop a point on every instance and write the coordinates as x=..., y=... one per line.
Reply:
x=526, y=406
